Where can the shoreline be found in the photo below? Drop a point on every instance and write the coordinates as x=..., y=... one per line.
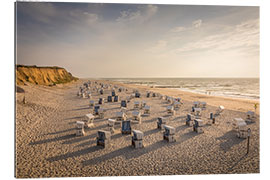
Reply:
x=238, y=104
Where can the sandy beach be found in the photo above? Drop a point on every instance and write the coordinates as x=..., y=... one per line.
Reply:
x=46, y=145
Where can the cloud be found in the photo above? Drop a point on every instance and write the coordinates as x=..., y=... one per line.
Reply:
x=197, y=23
x=142, y=14
x=178, y=29
x=158, y=46
x=80, y=16
x=242, y=36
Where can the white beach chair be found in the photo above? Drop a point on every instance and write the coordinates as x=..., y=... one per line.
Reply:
x=203, y=104
x=176, y=105
x=111, y=123
x=137, y=139
x=197, y=127
x=169, y=133
x=170, y=110
x=196, y=104
x=136, y=115
x=89, y=120
x=120, y=116
x=250, y=116
x=91, y=103
x=146, y=110
x=136, y=105
x=79, y=124
x=80, y=128
x=101, y=113
x=219, y=110
x=240, y=126
x=143, y=104
x=197, y=112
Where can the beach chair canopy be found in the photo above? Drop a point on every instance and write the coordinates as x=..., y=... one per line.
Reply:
x=147, y=107
x=161, y=120
x=111, y=122
x=169, y=130
x=104, y=134
x=136, y=113
x=119, y=114
x=90, y=116
x=79, y=124
x=251, y=113
x=138, y=135
x=126, y=126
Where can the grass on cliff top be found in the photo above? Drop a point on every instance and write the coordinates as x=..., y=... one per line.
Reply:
x=34, y=66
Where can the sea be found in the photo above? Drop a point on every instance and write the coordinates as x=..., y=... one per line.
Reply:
x=244, y=88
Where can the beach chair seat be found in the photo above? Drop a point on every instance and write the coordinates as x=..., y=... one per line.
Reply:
x=243, y=134
x=137, y=139
x=136, y=105
x=146, y=110
x=103, y=138
x=126, y=127
x=80, y=132
x=161, y=121
x=169, y=133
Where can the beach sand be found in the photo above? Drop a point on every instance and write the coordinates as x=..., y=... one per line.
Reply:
x=46, y=145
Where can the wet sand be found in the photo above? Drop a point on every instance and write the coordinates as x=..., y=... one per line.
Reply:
x=46, y=145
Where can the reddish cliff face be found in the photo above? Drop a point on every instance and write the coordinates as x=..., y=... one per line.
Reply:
x=42, y=75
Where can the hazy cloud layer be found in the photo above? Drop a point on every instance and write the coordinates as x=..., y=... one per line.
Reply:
x=124, y=40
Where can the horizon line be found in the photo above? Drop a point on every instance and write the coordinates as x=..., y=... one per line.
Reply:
x=170, y=77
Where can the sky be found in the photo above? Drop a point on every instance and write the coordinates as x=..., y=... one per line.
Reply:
x=137, y=40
